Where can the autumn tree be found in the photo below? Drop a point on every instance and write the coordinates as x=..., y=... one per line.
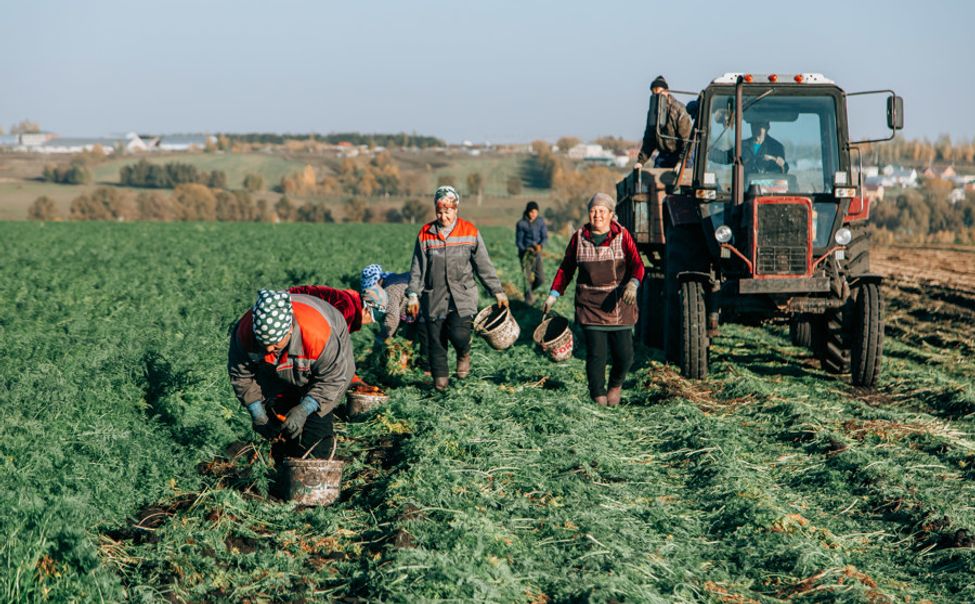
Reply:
x=514, y=185
x=414, y=211
x=566, y=142
x=25, y=127
x=42, y=209
x=253, y=182
x=475, y=185
x=284, y=209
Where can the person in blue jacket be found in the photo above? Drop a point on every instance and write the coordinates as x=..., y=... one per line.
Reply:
x=530, y=236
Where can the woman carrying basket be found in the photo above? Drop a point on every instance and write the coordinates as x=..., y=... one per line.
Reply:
x=610, y=272
x=448, y=253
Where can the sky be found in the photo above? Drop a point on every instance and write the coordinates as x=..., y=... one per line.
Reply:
x=499, y=71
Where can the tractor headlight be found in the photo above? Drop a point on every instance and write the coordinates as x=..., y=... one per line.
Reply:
x=723, y=233
x=843, y=236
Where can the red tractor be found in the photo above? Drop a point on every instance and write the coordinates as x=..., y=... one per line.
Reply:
x=762, y=220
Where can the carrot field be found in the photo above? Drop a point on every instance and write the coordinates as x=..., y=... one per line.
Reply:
x=130, y=472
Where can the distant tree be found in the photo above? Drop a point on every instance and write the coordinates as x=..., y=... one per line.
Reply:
x=566, y=142
x=414, y=210
x=264, y=213
x=284, y=209
x=42, y=209
x=75, y=173
x=217, y=179
x=253, y=182
x=615, y=144
x=393, y=215
x=475, y=185
x=104, y=203
x=153, y=205
x=195, y=202
x=514, y=185
x=314, y=212
x=25, y=127
x=356, y=209
x=539, y=169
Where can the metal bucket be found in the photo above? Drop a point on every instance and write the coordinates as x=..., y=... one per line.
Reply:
x=314, y=481
x=498, y=326
x=361, y=402
x=554, y=337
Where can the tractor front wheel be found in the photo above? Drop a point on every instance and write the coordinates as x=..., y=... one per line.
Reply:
x=694, y=342
x=868, y=336
x=800, y=331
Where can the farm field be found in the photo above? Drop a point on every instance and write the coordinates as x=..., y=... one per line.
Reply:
x=130, y=472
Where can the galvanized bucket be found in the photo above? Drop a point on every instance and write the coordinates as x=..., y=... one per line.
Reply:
x=498, y=326
x=554, y=337
x=314, y=481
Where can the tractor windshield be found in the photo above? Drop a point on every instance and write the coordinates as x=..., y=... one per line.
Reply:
x=789, y=143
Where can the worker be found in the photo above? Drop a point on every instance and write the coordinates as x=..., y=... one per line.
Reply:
x=531, y=235
x=290, y=363
x=676, y=128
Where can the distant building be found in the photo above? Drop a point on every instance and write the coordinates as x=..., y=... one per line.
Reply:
x=184, y=142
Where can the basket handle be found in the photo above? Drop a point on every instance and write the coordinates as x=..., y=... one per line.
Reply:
x=335, y=443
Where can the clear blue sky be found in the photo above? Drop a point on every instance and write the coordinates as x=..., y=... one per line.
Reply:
x=501, y=71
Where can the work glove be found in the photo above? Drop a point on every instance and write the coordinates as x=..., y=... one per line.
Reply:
x=259, y=420
x=629, y=294
x=550, y=302
x=413, y=305
x=502, y=299
x=295, y=421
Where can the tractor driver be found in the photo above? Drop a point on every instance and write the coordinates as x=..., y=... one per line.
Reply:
x=761, y=153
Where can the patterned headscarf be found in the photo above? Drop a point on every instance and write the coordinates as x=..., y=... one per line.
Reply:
x=370, y=276
x=446, y=193
x=272, y=316
x=375, y=300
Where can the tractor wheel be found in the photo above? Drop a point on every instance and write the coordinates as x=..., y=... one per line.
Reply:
x=858, y=252
x=800, y=331
x=830, y=340
x=868, y=336
x=650, y=327
x=686, y=250
x=694, y=330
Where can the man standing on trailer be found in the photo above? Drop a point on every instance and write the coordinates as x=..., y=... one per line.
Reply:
x=675, y=129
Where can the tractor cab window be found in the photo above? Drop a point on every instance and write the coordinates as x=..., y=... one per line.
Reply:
x=788, y=145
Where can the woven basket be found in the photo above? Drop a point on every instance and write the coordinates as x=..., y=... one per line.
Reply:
x=360, y=402
x=497, y=325
x=313, y=481
x=555, y=338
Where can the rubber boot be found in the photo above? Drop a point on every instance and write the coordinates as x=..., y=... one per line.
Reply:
x=441, y=383
x=614, y=395
x=464, y=366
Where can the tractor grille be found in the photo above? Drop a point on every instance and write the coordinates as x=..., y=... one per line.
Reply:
x=783, y=239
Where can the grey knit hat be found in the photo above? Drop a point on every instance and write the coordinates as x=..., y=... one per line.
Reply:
x=602, y=199
x=272, y=316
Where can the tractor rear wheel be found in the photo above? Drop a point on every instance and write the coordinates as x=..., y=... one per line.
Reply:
x=868, y=336
x=800, y=331
x=694, y=330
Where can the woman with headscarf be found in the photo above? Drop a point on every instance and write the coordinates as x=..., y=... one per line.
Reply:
x=448, y=253
x=610, y=272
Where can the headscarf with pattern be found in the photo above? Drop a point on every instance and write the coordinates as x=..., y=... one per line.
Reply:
x=272, y=316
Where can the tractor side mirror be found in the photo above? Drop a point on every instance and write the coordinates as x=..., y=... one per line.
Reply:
x=895, y=112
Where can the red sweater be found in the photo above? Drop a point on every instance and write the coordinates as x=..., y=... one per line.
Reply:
x=567, y=269
x=347, y=301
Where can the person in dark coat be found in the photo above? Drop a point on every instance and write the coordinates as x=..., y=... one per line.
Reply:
x=676, y=128
x=531, y=235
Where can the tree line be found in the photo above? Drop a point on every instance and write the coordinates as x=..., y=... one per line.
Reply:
x=196, y=202
x=145, y=174
x=401, y=139
x=924, y=215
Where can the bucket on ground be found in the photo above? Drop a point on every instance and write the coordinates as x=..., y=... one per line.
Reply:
x=554, y=337
x=364, y=399
x=313, y=481
x=497, y=325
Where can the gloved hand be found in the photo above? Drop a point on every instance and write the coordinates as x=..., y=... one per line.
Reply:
x=259, y=420
x=538, y=248
x=413, y=305
x=295, y=421
x=549, y=303
x=502, y=299
x=629, y=294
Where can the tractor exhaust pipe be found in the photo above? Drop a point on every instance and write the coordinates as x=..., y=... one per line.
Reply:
x=738, y=180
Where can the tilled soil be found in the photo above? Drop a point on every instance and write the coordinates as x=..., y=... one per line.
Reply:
x=930, y=295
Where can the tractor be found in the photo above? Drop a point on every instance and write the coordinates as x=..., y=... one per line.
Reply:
x=764, y=219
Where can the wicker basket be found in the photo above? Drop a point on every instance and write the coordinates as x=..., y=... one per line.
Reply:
x=555, y=338
x=313, y=481
x=498, y=326
x=362, y=402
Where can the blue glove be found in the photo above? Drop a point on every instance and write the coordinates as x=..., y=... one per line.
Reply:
x=258, y=414
x=296, y=418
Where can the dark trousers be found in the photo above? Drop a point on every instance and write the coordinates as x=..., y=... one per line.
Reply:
x=317, y=429
x=600, y=345
x=532, y=271
x=455, y=330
